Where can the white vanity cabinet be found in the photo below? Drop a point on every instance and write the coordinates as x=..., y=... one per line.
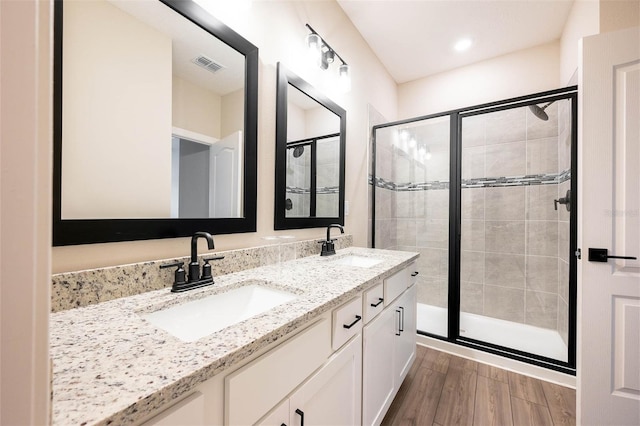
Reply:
x=344, y=367
x=389, y=345
x=318, y=373
x=332, y=396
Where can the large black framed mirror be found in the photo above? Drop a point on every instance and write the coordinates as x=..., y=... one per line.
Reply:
x=155, y=122
x=310, y=155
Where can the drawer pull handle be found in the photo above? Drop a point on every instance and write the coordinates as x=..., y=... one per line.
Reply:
x=401, y=319
x=415, y=273
x=399, y=331
x=375, y=305
x=358, y=318
x=301, y=414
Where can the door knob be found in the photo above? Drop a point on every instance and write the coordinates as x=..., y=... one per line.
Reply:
x=602, y=255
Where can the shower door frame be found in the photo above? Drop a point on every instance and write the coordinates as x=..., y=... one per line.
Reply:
x=455, y=224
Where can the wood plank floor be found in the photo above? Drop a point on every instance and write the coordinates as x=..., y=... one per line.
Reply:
x=443, y=390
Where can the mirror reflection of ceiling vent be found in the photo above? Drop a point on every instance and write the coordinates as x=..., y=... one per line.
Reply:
x=207, y=63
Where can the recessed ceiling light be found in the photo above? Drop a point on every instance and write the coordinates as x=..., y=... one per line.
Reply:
x=463, y=44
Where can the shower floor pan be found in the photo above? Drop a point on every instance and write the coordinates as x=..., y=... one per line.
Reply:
x=523, y=337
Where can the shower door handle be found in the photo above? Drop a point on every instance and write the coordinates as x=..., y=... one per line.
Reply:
x=566, y=200
x=602, y=255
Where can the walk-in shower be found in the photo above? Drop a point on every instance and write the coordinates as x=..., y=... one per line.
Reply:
x=484, y=194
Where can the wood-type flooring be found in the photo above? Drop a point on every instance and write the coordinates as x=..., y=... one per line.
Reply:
x=445, y=390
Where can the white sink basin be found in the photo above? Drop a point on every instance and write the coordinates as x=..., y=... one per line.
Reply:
x=193, y=320
x=360, y=261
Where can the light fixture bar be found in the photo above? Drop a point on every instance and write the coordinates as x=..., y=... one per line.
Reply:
x=325, y=43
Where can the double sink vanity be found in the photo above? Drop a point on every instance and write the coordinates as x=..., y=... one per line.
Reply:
x=316, y=339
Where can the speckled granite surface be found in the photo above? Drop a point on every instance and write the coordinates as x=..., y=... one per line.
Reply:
x=110, y=366
x=84, y=288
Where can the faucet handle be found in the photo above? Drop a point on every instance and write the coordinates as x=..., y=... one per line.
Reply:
x=208, y=259
x=180, y=276
x=206, y=268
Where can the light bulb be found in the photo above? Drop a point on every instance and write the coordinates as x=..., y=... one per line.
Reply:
x=314, y=45
x=344, y=79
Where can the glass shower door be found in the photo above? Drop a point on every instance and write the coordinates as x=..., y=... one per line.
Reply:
x=515, y=233
x=412, y=207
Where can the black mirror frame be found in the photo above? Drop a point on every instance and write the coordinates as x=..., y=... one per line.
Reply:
x=285, y=78
x=86, y=231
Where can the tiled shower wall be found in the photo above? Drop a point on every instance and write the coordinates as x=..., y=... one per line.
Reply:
x=514, y=259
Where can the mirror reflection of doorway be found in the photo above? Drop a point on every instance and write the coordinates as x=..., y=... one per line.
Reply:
x=206, y=177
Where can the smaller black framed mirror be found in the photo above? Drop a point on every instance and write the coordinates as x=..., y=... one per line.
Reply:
x=310, y=155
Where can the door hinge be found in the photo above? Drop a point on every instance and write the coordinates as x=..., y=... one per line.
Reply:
x=578, y=253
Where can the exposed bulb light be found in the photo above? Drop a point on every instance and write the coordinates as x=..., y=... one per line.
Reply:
x=404, y=135
x=329, y=57
x=462, y=44
x=412, y=143
x=344, y=79
x=314, y=46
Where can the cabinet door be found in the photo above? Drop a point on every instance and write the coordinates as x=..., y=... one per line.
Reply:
x=377, y=374
x=278, y=417
x=333, y=395
x=405, y=344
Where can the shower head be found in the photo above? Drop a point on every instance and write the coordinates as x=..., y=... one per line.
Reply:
x=297, y=151
x=539, y=112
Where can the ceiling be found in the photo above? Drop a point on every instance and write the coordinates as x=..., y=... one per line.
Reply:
x=415, y=38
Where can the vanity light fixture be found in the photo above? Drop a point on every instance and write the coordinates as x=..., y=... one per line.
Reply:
x=324, y=56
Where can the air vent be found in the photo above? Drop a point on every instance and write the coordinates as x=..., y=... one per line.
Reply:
x=207, y=63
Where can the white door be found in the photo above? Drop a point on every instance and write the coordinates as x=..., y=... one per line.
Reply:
x=226, y=177
x=377, y=376
x=405, y=344
x=608, y=368
x=333, y=395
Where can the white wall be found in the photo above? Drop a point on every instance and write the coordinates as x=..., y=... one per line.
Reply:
x=618, y=14
x=278, y=29
x=195, y=108
x=94, y=99
x=232, y=114
x=25, y=210
x=296, y=123
x=583, y=20
x=516, y=74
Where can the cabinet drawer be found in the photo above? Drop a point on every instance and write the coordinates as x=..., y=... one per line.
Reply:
x=347, y=322
x=395, y=285
x=257, y=387
x=373, y=302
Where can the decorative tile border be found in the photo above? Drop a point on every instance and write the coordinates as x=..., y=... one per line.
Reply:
x=490, y=182
x=320, y=190
x=83, y=288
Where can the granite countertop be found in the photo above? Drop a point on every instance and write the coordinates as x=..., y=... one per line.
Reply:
x=112, y=366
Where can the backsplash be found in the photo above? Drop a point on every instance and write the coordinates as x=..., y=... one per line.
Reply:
x=88, y=287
